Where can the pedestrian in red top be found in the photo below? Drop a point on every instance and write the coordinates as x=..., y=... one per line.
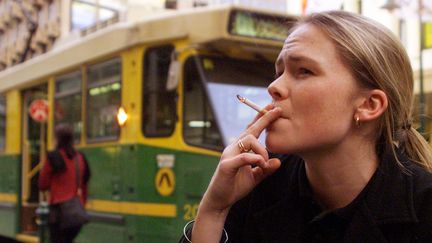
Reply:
x=59, y=177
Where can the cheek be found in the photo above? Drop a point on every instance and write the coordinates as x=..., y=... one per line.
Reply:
x=325, y=118
x=330, y=116
x=318, y=115
x=309, y=108
x=322, y=105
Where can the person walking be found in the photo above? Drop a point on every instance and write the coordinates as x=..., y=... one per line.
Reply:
x=59, y=177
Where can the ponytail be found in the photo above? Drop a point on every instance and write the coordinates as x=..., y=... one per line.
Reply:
x=416, y=147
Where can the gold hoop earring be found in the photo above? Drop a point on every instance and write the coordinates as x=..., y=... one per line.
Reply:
x=357, y=121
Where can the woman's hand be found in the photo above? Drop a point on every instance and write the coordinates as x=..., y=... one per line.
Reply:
x=238, y=171
x=237, y=174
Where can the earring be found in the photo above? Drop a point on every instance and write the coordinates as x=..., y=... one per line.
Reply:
x=357, y=121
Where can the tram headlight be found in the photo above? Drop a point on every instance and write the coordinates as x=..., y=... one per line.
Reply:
x=122, y=116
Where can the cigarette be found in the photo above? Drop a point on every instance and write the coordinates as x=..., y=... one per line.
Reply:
x=251, y=104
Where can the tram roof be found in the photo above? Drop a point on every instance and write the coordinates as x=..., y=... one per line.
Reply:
x=196, y=25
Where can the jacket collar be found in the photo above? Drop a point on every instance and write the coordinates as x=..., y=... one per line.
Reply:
x=389, y=199
x=390, y=196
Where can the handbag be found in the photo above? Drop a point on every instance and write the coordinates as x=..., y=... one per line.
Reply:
x=72, y=212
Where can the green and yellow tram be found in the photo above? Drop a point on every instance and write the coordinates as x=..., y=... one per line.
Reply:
x=152, y=104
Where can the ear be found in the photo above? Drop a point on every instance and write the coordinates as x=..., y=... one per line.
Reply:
x=372, y=106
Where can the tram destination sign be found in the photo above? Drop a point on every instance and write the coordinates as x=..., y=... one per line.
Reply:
x=258, y=25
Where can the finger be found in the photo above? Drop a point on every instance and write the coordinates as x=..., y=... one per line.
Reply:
x=251, y=143
x=260, y=114
x=269, y=108
x=245, y=144
x=232, y=165
x=271, y=166
x=260, y=173
x=256, y=128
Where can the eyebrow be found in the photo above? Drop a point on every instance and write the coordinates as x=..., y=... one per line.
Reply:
x=297, y=58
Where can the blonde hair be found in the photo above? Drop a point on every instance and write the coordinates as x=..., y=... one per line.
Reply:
x=378, y=60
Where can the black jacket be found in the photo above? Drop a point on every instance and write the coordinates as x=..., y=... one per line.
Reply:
x=395, y=206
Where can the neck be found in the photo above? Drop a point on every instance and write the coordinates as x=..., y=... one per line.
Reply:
x=338, y=176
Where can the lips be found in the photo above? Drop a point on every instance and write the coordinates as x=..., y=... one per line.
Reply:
x=283, y=115
x=281, y=119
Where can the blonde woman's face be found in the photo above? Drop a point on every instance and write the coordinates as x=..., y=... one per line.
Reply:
x=316, y=92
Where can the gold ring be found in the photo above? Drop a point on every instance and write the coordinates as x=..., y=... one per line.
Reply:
x=241, y=146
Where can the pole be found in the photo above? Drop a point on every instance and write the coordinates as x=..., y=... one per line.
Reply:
x=43, y=210
x=422, y=98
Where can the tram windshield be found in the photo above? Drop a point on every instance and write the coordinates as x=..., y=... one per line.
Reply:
x=227, y=77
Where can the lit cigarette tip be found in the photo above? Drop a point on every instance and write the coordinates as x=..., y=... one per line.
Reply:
x=242, y=99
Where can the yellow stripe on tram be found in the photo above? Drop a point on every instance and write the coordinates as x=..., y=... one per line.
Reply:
x=27, y=238
x=8, y=197
x=145, y=209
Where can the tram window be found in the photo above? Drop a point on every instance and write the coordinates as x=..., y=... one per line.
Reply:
x=2, y=122
x=67, y=102
x=199, y=125
x=159, y=104
x=103, y=100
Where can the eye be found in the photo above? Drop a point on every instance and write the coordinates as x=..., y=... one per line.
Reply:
x=304, y=72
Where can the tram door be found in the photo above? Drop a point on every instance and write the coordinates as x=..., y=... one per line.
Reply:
x=33, y=154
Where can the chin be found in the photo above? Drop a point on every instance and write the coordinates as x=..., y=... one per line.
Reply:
x=276, y=146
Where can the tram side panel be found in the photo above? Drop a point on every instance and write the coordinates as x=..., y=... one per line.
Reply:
x=9, y=189
x=173, y=180
x=107, y=223
x=143, y=194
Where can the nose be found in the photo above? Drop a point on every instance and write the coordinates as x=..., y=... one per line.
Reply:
x=276, y=90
